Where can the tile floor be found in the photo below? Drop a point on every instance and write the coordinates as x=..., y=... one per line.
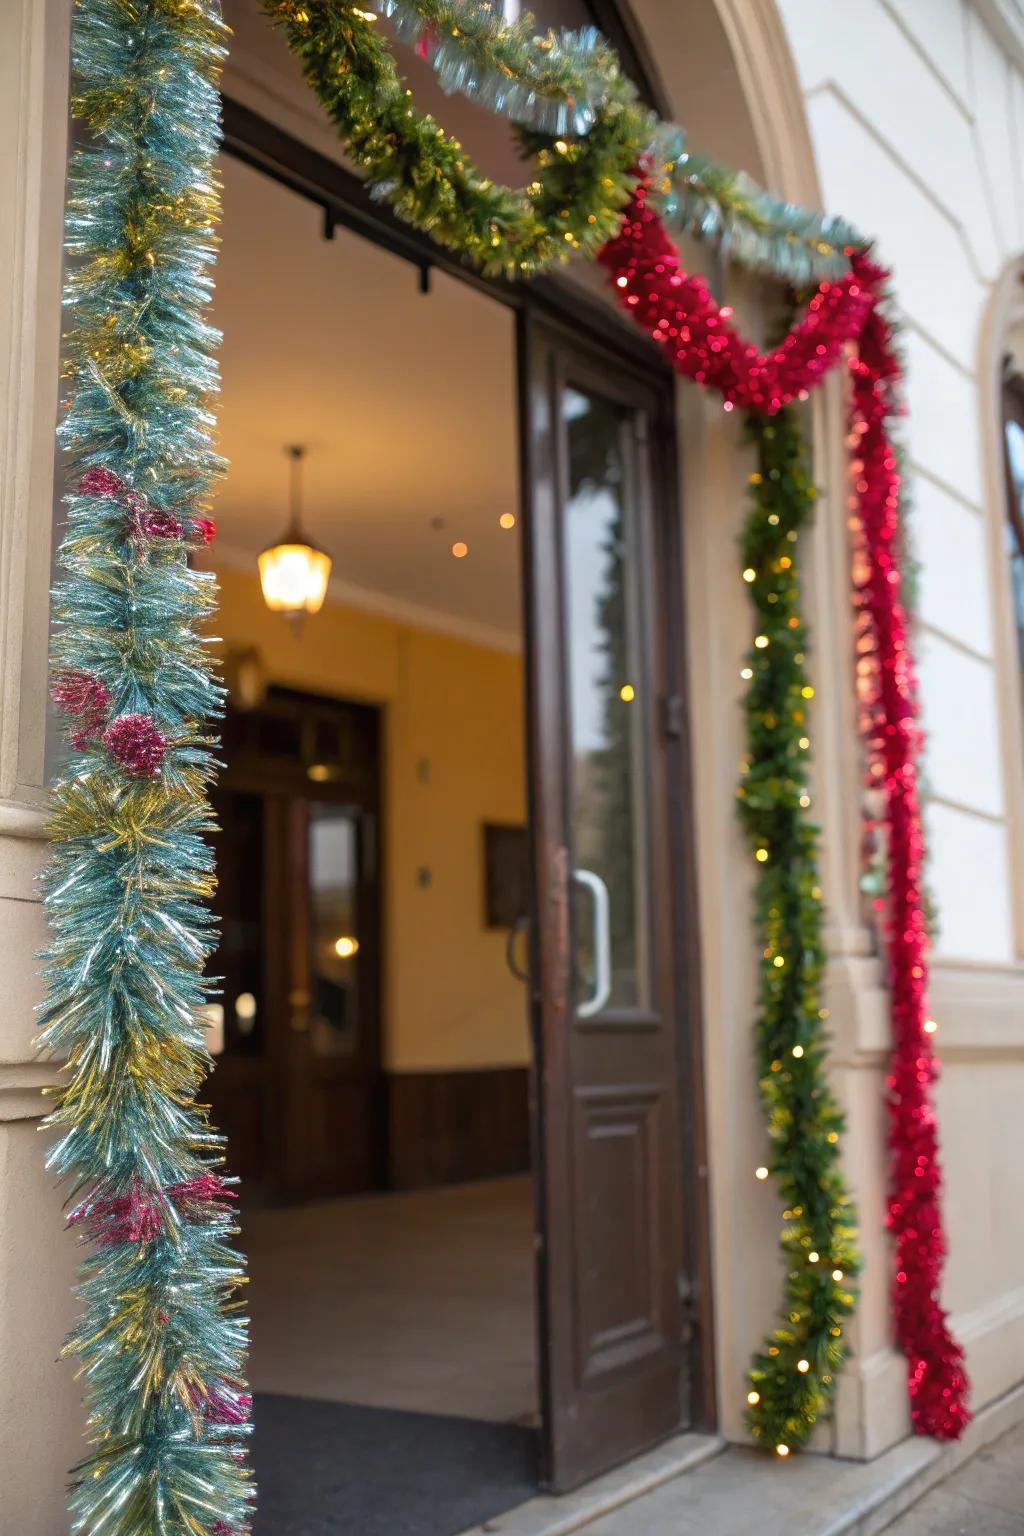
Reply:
x=421, y=1301
x=985, y=1498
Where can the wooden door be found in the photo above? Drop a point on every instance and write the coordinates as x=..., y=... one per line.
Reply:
x=612, y=1278
x=332, y=1085
x=299, y=1088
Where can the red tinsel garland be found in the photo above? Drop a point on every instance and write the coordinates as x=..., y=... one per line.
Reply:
x=845, y=319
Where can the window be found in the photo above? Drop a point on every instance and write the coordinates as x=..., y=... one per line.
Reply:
x=1013, y=443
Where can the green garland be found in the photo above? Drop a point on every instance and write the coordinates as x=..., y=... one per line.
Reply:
x=793, y=1377
x=162, y=1338
x=572, y=205
x=562, y=82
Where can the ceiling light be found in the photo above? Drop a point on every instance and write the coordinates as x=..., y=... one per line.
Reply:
x=293, y=571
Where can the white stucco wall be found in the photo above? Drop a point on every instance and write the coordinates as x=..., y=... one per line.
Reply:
x=915, y=110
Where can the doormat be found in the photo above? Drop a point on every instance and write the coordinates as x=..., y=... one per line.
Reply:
x=338, y=1469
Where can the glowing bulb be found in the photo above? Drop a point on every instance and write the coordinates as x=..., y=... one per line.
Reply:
x=627, y=693
x=807, y=691
x=507, y=520
x=761, y=855
x=346, y=946
x=837, y=1274
x=747, y=673
x=812, y=1257
x=804, y=742
x=930, y=1026
x=803, y=1366
x=779, y=962
x=782, y=1450
x=805, y=801
x=460, y=550
x=760, y=1173
x=761, y=641
x=749, y=574
x=753, y=1398
x=798, y=1051
x=245, y=1006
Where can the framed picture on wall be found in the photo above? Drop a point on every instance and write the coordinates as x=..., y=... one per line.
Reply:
x=506, y=875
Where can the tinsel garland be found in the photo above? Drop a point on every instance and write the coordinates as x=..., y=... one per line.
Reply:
x=570, y=206
x=162, y=1339
x=559, y=83
x=888, y=683
x=695, y=333
x=651, y=284
x=793, y=1377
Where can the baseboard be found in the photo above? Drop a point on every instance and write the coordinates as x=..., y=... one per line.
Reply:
x=450, y=1127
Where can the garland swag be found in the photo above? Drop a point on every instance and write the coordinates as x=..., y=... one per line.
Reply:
x=161, y=1337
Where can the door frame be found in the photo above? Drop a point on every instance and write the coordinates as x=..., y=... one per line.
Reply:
x=597, y=327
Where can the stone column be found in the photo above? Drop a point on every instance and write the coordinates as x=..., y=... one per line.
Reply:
x=39, y=1401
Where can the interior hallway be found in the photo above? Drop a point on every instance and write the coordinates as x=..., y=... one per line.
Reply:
x=421, y=1301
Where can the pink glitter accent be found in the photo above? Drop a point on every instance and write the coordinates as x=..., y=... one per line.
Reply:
x=159, y=525
x=83, y=695
x=132, y=1218
x=207, y=1187
x=204, y=529
x=137, y=743
x=100, y=482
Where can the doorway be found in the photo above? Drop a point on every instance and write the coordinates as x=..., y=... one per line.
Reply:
x=300, y=1080
x=491, y=696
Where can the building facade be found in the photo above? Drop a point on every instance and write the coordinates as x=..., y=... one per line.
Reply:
x=906, y=117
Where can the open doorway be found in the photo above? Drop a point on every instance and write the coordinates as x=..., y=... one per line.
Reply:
x=460, y=1067
x=373, y=851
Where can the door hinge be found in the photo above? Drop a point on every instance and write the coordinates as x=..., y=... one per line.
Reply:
x=674, y=716
x=689, y=1306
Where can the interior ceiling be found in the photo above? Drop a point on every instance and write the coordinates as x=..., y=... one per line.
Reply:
x=405, y=402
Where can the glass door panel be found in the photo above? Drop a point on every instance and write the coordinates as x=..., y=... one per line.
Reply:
x=335, y=929
x=607, y=707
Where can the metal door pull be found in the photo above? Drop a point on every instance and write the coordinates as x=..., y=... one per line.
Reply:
x=602, y=943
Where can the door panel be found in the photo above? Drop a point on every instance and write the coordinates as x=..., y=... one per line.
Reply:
x=605, y=1008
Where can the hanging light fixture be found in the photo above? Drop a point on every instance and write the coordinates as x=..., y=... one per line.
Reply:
x=294, y=572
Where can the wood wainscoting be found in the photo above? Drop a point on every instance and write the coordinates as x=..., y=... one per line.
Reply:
x=449, y=1127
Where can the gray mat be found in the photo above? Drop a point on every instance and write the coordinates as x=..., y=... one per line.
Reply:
x=334, y=1469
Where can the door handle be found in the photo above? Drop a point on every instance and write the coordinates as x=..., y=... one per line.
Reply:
x=602, y=942
x=521, y=925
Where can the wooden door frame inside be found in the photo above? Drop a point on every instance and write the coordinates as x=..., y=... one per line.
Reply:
x=262, y=145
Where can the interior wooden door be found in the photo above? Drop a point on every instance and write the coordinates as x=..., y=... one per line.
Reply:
x=332, y=1082
x=612, y=1279
x=299, y=1087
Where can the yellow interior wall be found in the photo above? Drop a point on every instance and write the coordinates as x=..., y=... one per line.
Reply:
x=453, y=759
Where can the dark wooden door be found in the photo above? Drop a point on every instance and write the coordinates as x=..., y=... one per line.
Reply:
x=612, y=1271
x=299, y=1089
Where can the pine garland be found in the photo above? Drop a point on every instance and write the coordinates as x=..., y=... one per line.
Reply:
x=571, y=205
x=792, y=1379
x=161, y=1340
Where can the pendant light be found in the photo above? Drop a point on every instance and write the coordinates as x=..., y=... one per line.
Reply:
x=294, y=572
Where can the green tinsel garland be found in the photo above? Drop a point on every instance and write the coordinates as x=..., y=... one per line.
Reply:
x=564, y=82
x=161, y=1338
x=792, y=1379
x=572, y=205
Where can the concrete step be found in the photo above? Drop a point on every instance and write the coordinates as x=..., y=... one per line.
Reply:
x=696, y=1486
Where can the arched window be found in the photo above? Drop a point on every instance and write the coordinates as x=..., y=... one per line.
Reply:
x=1013, y=452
